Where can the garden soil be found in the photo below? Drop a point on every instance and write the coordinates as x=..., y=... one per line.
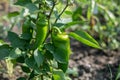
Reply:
x=94, y=64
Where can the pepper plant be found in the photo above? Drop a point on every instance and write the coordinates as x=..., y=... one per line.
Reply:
x=42, y=50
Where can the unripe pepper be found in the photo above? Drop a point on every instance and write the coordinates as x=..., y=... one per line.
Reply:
x=26, y=26
x=41, y=32
x=62, y=49
x=27, y=30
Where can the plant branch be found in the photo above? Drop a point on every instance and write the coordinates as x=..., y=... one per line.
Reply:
x=13, y=24
x=61, y=12
x=42, y=77
x=49, y=17
x=38, y=12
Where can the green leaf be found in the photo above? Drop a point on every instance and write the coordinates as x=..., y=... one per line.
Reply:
x=59, y=55
x=22, y=2
x=32, y=7
x=70, y=24
x=109, y=13
x=46, y=67
x=76, y=15
x=4, y=51
x=20, y=59
x=39, y=58
x=26, y=36
x=63, y=66
x=111, y=16
x=16, y=42
x=56, y=13
x=25, y=69
x=15, y=53
x=2, y=42
x=59, y=24
x=58, y=75
x=28, y=4
x=48, y=55
x=64, y=26
x=12, y=36
x=21, y=78
x=85, y=38
x=13, y=14
x=31, y=63
x=50, y=47
x=68, y=12
x=32, y=75
x=89, y=13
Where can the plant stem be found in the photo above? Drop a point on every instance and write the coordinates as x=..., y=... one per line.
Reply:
x=38, y=12
x=61, y=12
x=13, y=24
x=49, y=16
x=49, y=23
x=42, y=77
x=110, y=72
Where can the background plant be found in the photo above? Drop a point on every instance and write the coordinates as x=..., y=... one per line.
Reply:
x=103, y=20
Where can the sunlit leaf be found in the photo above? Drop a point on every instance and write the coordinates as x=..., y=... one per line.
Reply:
x=13, y=14
x=68, y=12
x=85, y=38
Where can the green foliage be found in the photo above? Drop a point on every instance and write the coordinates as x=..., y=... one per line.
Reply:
x=4, y=51
x=103, y=20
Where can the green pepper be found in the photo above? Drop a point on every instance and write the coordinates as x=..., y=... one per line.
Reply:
x=62, y=49
x=41, y=32
x=27, y=30
x=26, y=26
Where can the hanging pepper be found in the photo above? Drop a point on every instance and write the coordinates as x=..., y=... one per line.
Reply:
x=26, y=26
x=27, y=30
x=41, y=32
x=62, y=50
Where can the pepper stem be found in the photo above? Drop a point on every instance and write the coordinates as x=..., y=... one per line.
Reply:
x=56, y=29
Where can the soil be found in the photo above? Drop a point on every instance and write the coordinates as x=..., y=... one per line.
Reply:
x=94, y=64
